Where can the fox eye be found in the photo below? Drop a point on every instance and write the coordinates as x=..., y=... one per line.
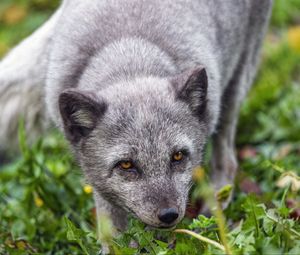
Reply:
x=177, y=156
x=126, y=165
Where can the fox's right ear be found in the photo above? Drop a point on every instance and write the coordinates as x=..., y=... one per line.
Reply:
x=191, y=88
x=80, y=111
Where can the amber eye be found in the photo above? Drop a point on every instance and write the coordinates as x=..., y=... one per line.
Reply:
x=178, y=156
x=125, y=165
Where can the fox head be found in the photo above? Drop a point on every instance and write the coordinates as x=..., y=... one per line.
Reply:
x=138, y=141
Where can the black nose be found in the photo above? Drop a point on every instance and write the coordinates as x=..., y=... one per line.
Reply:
x=168, y=215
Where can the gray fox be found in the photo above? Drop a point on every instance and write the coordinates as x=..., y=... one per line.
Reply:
x=138, y=87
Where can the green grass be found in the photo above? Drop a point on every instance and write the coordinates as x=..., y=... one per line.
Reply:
x=44, y=208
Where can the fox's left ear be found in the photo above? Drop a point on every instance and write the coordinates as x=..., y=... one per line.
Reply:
x=80, y=112
x=191, y=87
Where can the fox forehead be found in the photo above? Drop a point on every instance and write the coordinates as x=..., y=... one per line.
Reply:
x=141, y=87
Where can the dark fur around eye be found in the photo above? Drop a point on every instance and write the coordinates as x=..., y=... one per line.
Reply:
x=129, y=174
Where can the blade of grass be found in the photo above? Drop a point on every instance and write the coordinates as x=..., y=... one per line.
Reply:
x=201, y=238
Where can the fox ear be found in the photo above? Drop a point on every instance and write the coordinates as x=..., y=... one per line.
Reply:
x=80, y=111
x=191, y=87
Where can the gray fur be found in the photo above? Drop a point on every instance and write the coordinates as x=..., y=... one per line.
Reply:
x=143, y=79
x=22, y=81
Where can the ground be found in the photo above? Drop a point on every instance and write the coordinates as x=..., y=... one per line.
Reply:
x=47, y=208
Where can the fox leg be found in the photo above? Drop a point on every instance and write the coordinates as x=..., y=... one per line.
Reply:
x=224, y=163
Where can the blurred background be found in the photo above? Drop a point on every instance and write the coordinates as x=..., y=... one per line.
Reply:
x=44, y=185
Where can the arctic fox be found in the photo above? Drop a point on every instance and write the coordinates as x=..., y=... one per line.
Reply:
x=138, y=87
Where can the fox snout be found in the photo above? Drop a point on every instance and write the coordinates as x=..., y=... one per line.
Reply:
x=168, y=215
x=161, y=211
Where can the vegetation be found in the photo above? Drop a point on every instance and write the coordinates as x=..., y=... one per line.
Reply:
x=47, y=208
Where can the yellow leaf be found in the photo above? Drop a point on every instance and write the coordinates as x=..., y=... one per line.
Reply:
x=38, y=201
x=294, y=38
x=198, y=174
x=14, y=14
x=224, y=193
x=88, y=189
x=21, y=245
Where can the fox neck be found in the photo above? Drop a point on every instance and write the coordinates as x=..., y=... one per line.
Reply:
x=126, y=59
